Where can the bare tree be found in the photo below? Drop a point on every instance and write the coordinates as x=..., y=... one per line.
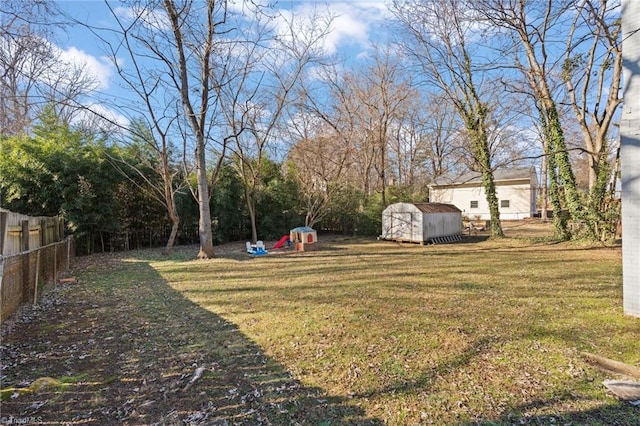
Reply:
x=152, y=128
x=366, y=110
x=533, y=27
x=440, y=130
x=319, y=166
x=574, y=43
x=330, y=113
x=385, y=92
x=261, y=87
x=33, y=73
x=440, y=35
x=593, y=75
x=592, y=72
x=194, y=31
x=162, y=176
x=179, y=41
x=408, y=150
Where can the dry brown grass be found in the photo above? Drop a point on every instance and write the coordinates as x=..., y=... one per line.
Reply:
x=478, y=332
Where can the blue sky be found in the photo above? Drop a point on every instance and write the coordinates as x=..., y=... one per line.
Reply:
x=355, y=26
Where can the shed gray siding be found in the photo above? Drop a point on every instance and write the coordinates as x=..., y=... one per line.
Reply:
x=442, y=225
x=420, y=222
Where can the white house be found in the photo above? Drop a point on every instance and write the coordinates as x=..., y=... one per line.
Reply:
x=516, y=190
x=420, y=222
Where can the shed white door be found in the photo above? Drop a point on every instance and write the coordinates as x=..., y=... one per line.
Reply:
x=402, y=225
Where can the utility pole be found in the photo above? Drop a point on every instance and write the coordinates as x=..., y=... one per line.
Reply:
x=630, y=156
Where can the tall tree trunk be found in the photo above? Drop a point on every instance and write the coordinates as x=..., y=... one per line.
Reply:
x=593, y=80
x=251, y=208
x=196, y=120
x=519, y=18
x=204, y=224
x=481, y=148
x=564, y=167
x=169, y=199
x=544, y=192
x=596, y=205
x=559, y=218
x=175, y=224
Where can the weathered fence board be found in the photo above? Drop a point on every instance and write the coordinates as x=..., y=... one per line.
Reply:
x=21, y=273
x=39, y=232
x=11, y=285
x=32, y=251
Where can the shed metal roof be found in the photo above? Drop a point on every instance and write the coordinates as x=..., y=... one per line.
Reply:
x=437, y=208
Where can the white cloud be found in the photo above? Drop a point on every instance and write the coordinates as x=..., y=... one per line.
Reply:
x=346, y=29
x=68, y=66
x=353, y=24
x=154, y=19
x=98, y=116
x=98, y=69
x=357, y=22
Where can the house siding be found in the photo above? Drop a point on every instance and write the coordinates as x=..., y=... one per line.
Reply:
x=521, y=194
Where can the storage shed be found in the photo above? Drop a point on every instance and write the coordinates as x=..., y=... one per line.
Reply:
x=421, y=222
x=303, y=235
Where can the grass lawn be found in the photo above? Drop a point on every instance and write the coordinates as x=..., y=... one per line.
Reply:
x=359, y=331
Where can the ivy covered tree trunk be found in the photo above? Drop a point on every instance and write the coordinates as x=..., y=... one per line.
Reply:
x=492, y=199
x=477, y=130
x=598, y=214
x=561, y=159
x=559, y=219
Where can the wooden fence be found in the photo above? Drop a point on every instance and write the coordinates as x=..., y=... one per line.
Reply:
x=32, y=254
x=20, y=233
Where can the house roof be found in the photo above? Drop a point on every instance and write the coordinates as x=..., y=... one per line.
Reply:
x=500, y=175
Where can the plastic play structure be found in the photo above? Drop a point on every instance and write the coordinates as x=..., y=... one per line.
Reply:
x=282, y=241
x=301, y=236
x=257, y=249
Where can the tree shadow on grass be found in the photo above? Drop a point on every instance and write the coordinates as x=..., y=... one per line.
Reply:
x=122, y=347
x=615, y=414
x=618, y=413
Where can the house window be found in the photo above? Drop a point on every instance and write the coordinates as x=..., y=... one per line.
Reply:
x=504, y=204
x=474, y=205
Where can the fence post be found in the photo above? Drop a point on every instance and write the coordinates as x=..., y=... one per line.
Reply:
x=3, y=230
x=55, y=263
x=26, y=274
x=25, y=235
x=37, y=277
x=68, y=253
x=1, y=276
x=44, y=222
x=60, y=230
